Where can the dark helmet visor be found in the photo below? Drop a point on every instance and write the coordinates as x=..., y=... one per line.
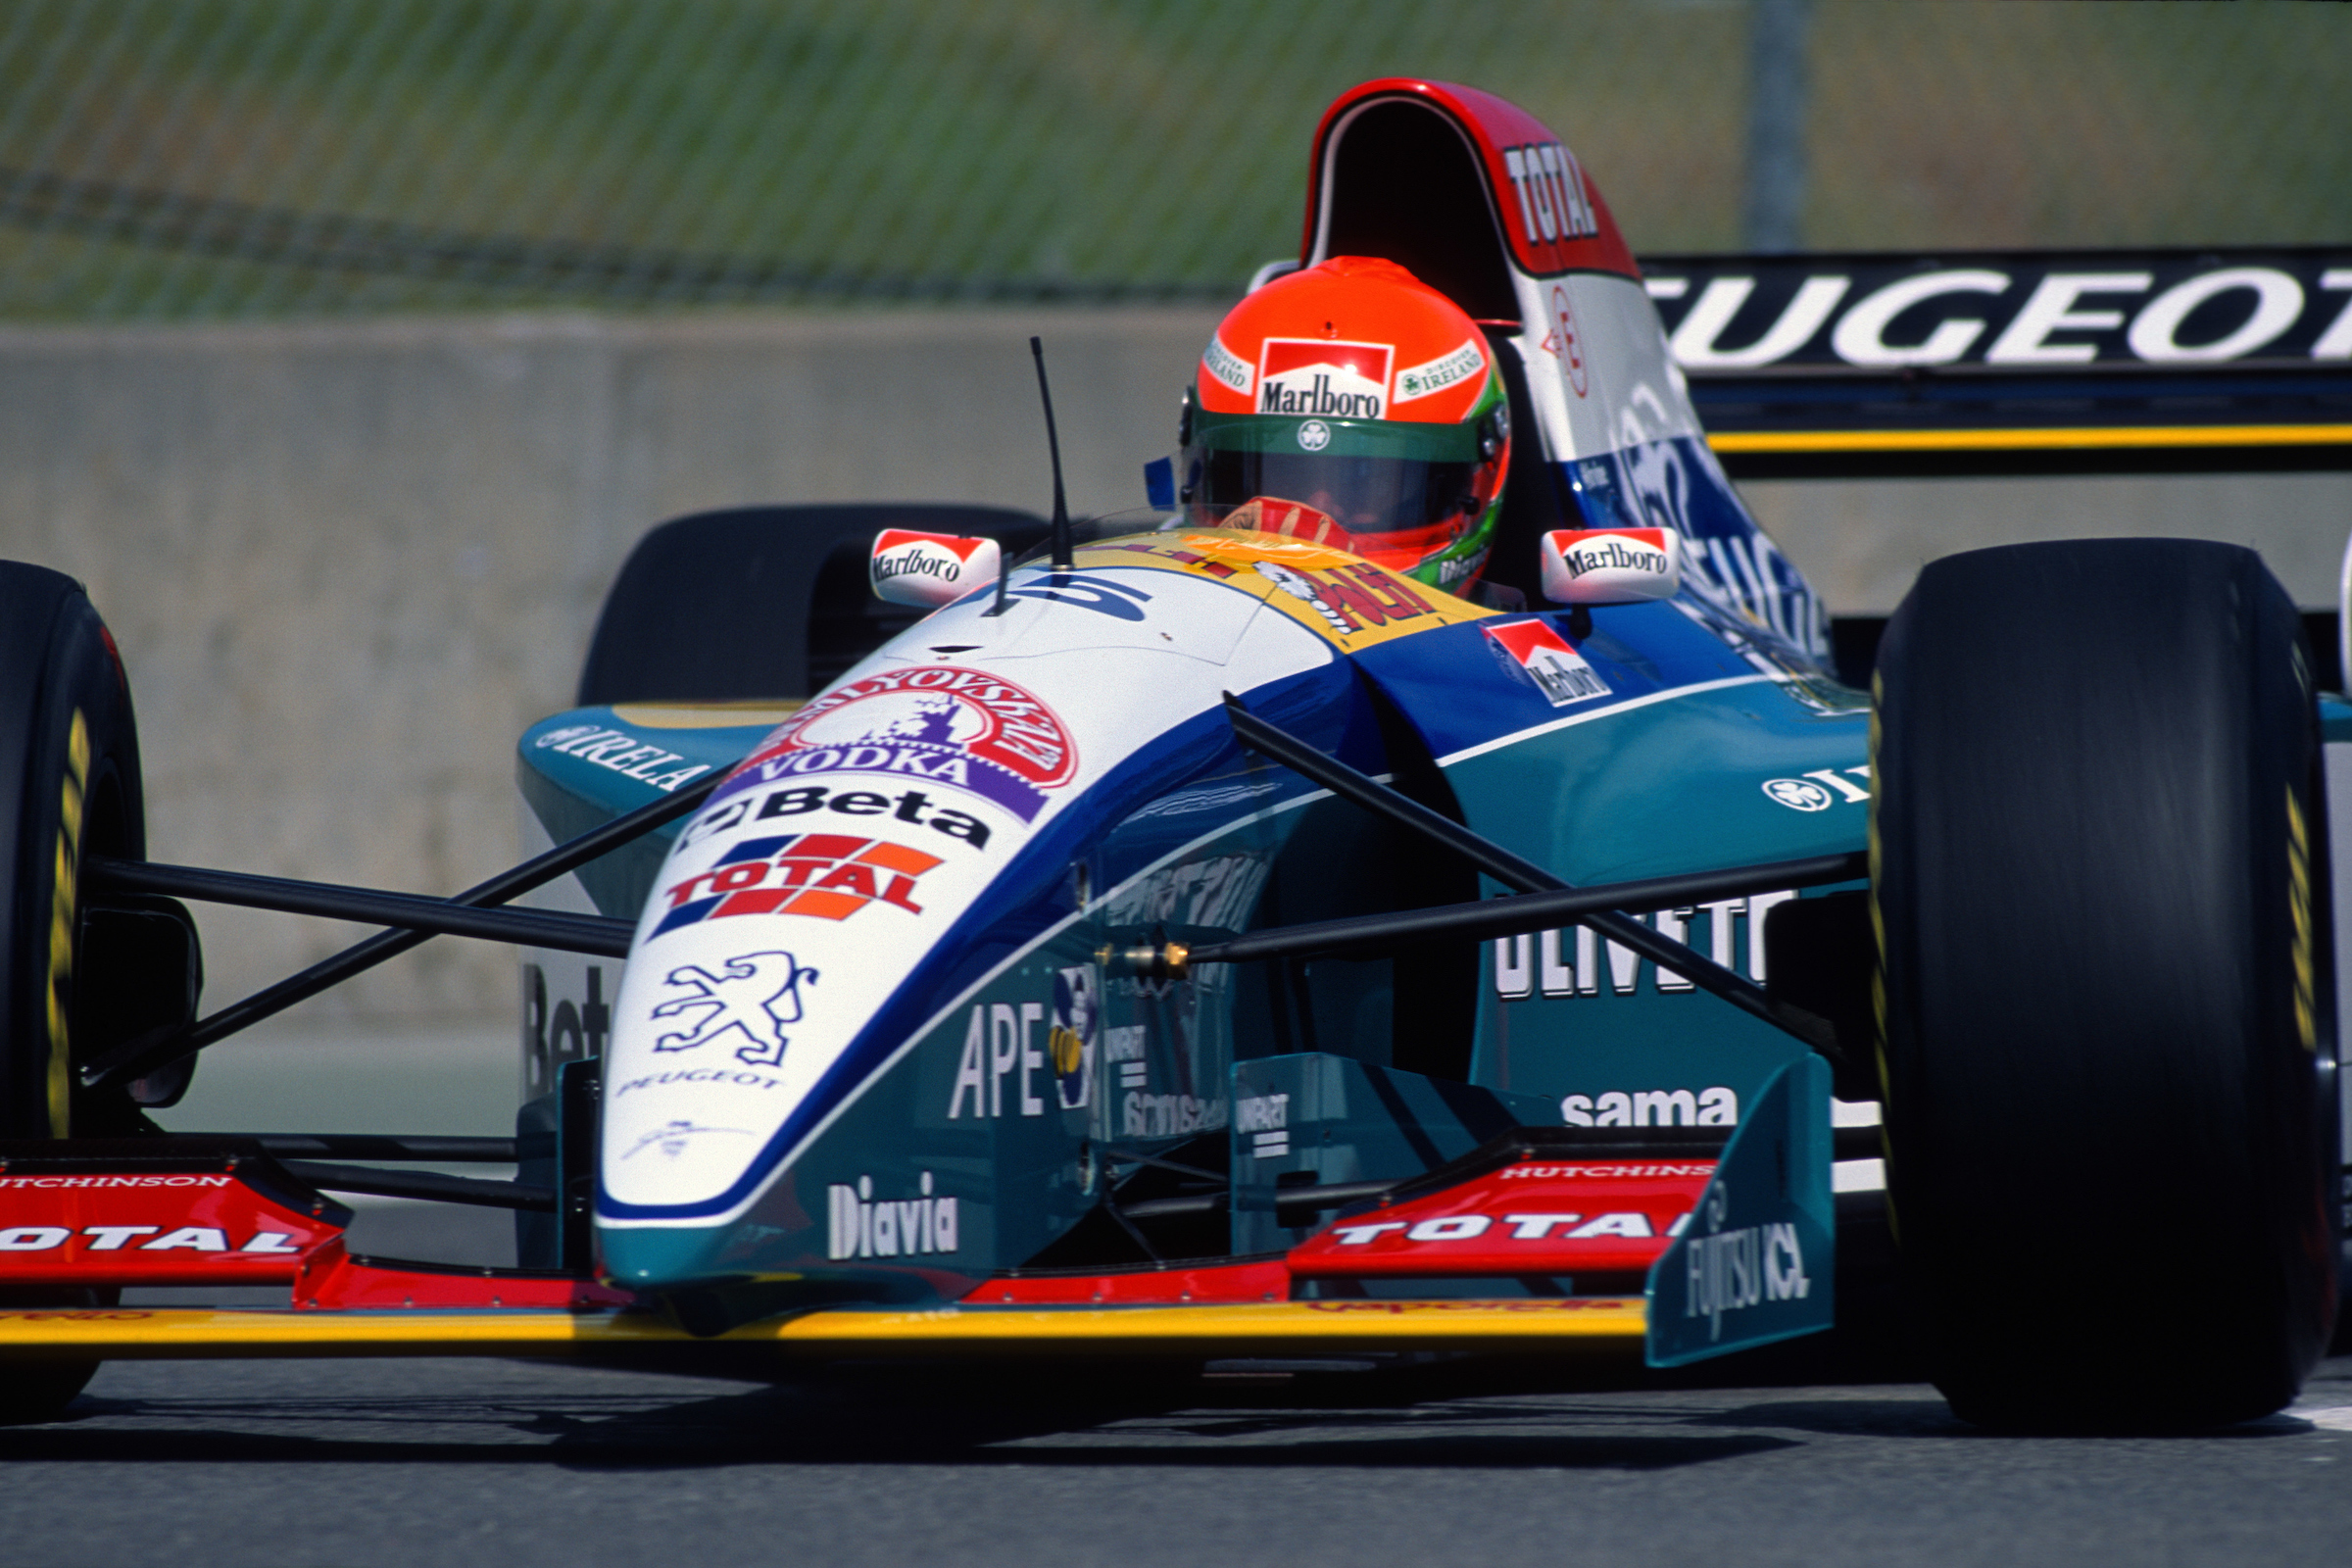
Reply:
x=1366, y=496
x=1372, y=477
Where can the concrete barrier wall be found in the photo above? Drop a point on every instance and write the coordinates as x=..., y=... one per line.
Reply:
x=348, y=563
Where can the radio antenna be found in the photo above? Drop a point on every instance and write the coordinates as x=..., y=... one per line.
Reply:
x=1061, y=511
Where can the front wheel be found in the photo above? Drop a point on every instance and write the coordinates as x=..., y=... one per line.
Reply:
x=69, y=789
x=2102, y=888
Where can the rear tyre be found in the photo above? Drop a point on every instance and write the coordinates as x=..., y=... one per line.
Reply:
x=2101, y=887
x=69, y=788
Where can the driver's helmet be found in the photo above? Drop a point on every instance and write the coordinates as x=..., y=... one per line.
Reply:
x=1353, y=404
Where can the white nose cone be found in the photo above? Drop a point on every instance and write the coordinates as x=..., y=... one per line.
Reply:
x=1611, y=565
x=790, y=946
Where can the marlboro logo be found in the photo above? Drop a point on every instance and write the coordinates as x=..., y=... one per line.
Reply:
x=1613, y=552
x=1559, y=670
x=1325, y=380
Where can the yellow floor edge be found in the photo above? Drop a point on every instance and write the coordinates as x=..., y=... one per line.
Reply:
x=180, y=1333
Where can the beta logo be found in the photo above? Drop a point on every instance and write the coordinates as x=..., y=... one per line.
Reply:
x=828, y=876
x=965, y=728
x=857, y=1225
x=911, y=806
x=1325, y=378
x=1546, y=659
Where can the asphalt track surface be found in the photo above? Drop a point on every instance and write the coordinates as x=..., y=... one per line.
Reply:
x=512, y=1465
x=1813, y=1455
x=508, y=1464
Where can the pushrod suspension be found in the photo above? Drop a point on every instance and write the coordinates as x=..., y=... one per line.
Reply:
x=1368, y=935
x=1524, y=876
x=535, y=928
x=160, y=1048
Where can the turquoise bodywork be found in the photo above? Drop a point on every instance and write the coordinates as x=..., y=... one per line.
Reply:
x=968, y=1134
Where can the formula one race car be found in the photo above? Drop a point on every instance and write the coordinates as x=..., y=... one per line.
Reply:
x=1194, y=932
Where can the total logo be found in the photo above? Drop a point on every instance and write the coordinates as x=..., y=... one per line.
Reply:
x=1551, y=187
x=858, y=1225
x=1812, y=792
x=117, y=1237
x=964, y=728
x=828, y=876
x=1631, y=1224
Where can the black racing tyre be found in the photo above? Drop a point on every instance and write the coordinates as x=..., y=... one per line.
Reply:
x=69, y=789
x=2102, y=888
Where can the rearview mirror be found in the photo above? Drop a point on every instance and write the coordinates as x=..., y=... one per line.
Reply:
x=929, y=569
x=1611, y=565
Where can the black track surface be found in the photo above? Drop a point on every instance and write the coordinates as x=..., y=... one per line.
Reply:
x=515, y=1464
x=511, y=1464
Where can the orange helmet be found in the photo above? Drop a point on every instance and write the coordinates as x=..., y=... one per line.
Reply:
x=1366, y=399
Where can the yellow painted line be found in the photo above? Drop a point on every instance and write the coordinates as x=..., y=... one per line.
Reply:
x=185, y=1333
x=2216, y=436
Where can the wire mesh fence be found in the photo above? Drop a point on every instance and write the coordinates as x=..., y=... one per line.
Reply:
x=195, y=159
